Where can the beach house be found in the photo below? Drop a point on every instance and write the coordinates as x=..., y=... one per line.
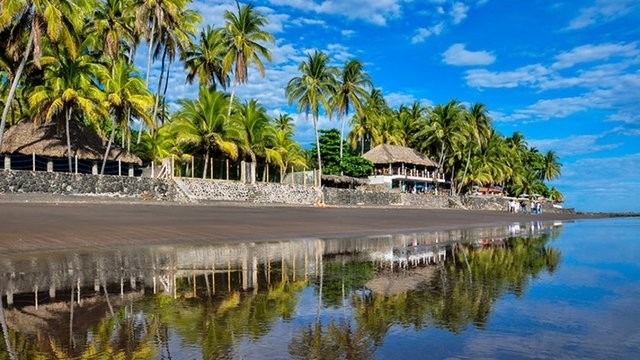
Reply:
x=404, y=169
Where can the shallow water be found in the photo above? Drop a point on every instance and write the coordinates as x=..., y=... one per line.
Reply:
x=529, y=290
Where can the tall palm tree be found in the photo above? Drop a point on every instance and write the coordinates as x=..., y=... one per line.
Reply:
x=258, y=130
x=204, y=59
x=477, y=128
x=126, y=94
x=440, y=135
x=363, y=124
x=551, y=168
x=352, y=90
x=113, y=26
x=61, y=19
x=311, y=91
x=245, y=38
x=69, y=85
x=204, y=123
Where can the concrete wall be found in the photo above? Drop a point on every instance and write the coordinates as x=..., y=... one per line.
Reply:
x=86, y=184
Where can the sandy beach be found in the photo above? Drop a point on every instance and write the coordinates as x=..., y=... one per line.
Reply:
x=37, y=223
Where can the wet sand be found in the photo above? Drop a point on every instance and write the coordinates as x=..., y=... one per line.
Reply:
x=50, y=223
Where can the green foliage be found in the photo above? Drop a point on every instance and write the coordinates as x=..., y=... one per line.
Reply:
x=351, y=165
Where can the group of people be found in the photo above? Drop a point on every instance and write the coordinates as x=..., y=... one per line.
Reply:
x=515, y=206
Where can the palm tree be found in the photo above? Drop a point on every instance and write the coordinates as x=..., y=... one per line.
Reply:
x=204, y=123
x=363, y=124
x=285, y=123
x=60, y=18
x=351, y=91
x=244, y=44
x=113, y=26
x=477, y=129
x=126, y=94
x=550, y=166
x=311, y=90
x=259, y=132
x=204, y=59
x=444, y=119
x=70, y=85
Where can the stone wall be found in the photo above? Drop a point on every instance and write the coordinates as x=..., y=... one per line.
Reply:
x=258, y=193
x=85, y=184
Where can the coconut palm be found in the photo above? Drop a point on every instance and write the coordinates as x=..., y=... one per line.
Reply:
x=476, y=127
x=245, y=44
x=69, y=86
x=363, y=124
x=204, y=59
x=204, y=123
x=285, y=123
x=126, y=94
x=112, y=26
x=311, y=91
x=259, y=133
x=351, y=92
x=551, y=168
x=60, y=19
x=438, y=138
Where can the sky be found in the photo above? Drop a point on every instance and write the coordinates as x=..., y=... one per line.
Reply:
x=564, y=73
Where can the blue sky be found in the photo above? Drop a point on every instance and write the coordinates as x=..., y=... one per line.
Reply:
x=566, y=74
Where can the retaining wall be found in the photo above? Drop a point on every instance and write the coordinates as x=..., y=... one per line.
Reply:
x=15, y=181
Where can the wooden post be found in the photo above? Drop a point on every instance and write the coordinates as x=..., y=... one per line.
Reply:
x=227, y=163
x=94, y=168
x=173, y=162
x=130, y=170
x=243, y=175
x=33, y=161
x=76, y=157
x=119, y=167
x=49, y=166
x=211, y=161
x=193, y=159
x=153, y=170
x=7, y=162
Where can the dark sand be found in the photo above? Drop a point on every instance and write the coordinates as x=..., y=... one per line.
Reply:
x=29, y=223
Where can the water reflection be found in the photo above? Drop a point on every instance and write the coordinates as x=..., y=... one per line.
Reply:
x=330, y=298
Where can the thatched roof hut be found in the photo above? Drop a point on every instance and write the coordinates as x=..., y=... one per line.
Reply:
x=393, y=154
x=46, y=140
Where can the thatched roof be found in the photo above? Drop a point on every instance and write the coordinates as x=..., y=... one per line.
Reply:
x=390, y=154
x=46, y=140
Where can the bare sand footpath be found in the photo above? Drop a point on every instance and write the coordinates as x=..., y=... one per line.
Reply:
x=40, y=223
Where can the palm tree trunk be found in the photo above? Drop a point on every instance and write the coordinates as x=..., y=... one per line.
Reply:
x=341, y=136
x=67, y=121
x=111, y=137
x=164, y=92
x=155, y=106
x=233, y=91
x=206, y=162
x=315, y=129
x=150, y=52
x=464, y=174
x=14, y=84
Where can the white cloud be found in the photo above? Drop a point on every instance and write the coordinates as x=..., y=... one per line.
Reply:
x=423, y=33
x=573, y=145
x=458, y=55
x=347, y=33
x=458, y=12
x=602, y=11
x=589, y=53
x=526, y=75
x=374, y=11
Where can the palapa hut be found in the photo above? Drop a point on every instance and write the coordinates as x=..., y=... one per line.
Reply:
x=43, y=147
x=403, y=168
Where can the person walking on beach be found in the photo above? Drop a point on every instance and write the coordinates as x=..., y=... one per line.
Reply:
x=523, y=206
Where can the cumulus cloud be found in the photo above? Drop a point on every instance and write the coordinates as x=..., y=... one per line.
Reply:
x=456, y=54
x=574, y=145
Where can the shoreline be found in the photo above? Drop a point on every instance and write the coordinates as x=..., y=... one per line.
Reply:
x=45, y=222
